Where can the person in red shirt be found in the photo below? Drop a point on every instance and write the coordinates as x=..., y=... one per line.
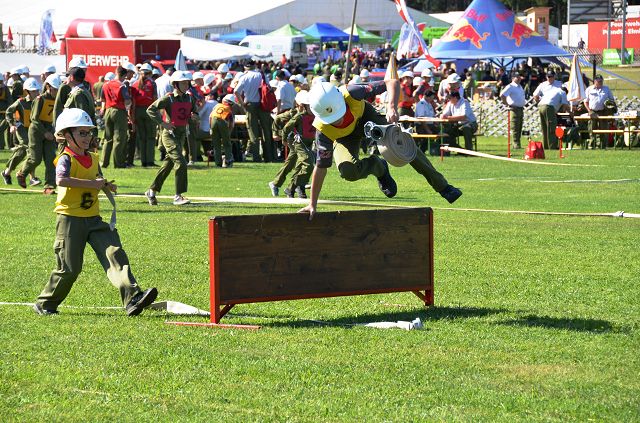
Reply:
x=406, y=101
x=144, y=94
x=117, y=100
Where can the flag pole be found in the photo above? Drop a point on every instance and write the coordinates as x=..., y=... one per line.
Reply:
x=353, y=23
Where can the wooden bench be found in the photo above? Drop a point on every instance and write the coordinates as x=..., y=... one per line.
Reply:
x=277, y=257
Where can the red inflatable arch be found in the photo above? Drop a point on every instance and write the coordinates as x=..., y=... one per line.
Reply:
x=92, y=28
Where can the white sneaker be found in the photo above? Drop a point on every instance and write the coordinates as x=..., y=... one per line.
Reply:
x=35, y=181
x=190, y=163
x=151, y=197
x=274, y=189
x=179, y=200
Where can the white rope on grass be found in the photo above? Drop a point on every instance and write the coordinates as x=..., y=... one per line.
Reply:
x=298, y=201
x=508, y=159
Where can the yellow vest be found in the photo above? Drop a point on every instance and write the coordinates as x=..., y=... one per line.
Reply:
x=79, y=202
x=357, y=110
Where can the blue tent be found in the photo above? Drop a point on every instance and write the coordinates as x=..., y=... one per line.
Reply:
x=236, y=36
x=488, y=30
x=326, y=32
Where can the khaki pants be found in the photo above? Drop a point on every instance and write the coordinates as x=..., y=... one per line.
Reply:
x=173, y=160
x=116, y=136
x=259, y=125
x=351, y=168
x=20, y=150
x=145, y=136
x=221, y=140
x=40, y=148
x=548, y=123
x=72, y=236
x=517, y=117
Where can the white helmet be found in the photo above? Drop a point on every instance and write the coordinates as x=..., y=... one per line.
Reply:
x=293, y=78
x=406, y=74
x=109, y=76
x=146, y=67
x=49, y=69
x=364, y=73
x=230, y=98
x=327, y=103
x=417, y=81
x=223, y=68
x=155, y=71
x=16, y=71
x=229, y=76
x=301, y=78
x=317, y=79
x=197, y=75
x=130, y=67
x=178, y=76
x=427, y=72
x=209, y=78
x=302, y=97
x=77, y=62
x=30, y=84
x=273, y=83
x=356, y=80
x=453, y=78
x=53, y=80
x=24, y=69
x=73, y=118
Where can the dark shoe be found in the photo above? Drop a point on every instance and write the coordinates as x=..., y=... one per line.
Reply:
x=288, y=192
x=22, y=180
x=451, y=193
x=153, y=201
x=228, y=164
x=300, y=192
x=386, y=183
x=6, y=177
x=140, y=301
x=37, y=307
x=275, y=190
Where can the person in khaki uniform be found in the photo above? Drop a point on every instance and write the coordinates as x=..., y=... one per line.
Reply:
x=42, y=143
x=298, y=132
x=5, y=101
x=178, y=106
x=222, y=119
x=78, y=222
x=18, y=116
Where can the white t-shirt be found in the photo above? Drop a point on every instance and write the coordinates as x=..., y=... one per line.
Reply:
x=514, y=95
x=424, y=109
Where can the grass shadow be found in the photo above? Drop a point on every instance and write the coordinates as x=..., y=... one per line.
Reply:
x=572, y=324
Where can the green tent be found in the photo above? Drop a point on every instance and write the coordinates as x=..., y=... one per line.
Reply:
x=364, y=36
x=289, y=30
x=428, y=33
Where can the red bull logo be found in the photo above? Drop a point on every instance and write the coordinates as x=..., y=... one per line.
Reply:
x=464, y=31
x=519, y=32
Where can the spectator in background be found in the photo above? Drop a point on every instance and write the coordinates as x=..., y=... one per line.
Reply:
x=460, y=120
x=513, y=97
x=551, y=100
x=596, y=98
x=581, y=44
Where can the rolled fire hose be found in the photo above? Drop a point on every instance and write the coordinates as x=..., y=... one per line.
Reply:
x=396, y=145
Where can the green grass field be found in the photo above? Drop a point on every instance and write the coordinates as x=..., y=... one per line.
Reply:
x=536, y=316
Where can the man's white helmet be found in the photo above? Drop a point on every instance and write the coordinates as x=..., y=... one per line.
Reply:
x=209, y=78
x=327, y=103
x=407, y=74
x=146, y=67
x=302, y=97
x=273, y=83
x=130, y=67
x=30, y=84
x=77, y=62
x=155, y=72
x=180, y=76
x=53, y=80
x=109, y=76
x=427, y=72
x=16, y=71
x=73, y=118
x=230, y=98
x=223, y=68
x=453, y=78
x=301, y=78
x=229, y=76
x=364, y=73
x=417, y=81
x=49, y=69
x=356, y=80
x=197, y=75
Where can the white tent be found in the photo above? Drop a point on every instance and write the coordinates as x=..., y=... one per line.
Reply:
x=196, y=49
x=138, y=19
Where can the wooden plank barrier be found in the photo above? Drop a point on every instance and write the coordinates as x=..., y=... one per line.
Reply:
x=259, y=258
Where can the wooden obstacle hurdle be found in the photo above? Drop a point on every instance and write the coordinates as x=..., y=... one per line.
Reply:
x=275, y=257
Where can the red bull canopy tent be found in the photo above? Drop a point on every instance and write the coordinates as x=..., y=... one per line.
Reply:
x=488, y=30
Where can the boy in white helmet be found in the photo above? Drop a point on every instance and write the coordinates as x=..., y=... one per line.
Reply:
x=340, y=119
x=178, y=107
x=80, y=179
x=296, y=127
x=42, y=144
x=18, y=116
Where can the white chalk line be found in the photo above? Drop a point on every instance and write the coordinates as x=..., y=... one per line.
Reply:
x=297, y=201
x=568, y=181
x=508, y=159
